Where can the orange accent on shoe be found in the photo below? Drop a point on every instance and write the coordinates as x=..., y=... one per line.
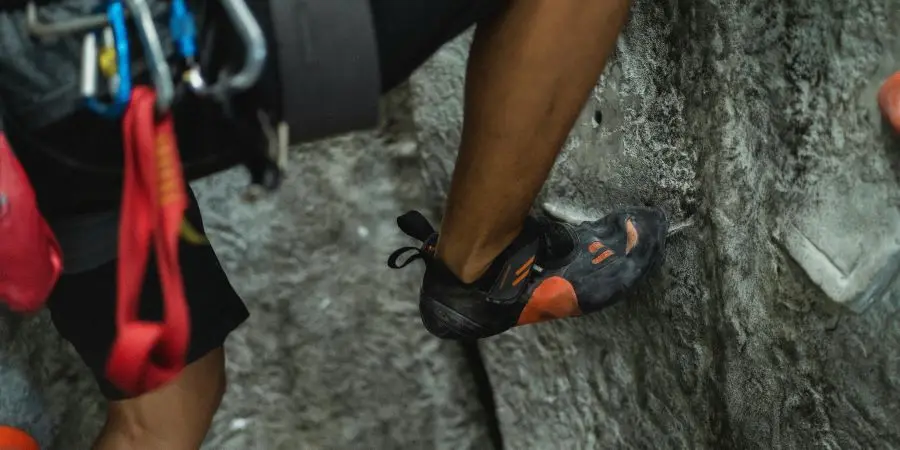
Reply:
x=520, y=278
x=523, y=271
x=554, y=298
x=631, y=234
x=525, y=266
x=595, y=247
x=602, y=257
x=889, y=100
x=16, y=439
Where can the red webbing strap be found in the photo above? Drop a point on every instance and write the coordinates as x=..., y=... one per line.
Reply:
x=147, y=354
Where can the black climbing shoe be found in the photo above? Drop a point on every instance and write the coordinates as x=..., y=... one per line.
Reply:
x=551, y=271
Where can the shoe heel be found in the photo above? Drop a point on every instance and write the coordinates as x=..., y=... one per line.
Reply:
x=445, y=323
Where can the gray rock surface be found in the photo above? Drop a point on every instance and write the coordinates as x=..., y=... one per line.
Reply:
x=334, y=355
x=750, y=115
x=44, y=388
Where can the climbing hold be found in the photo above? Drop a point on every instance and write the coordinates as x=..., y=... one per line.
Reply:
x=16, y=439
x=889, y=100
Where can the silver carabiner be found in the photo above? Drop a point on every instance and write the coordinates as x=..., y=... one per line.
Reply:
x=47, y=30
x=78, y=25
x=255, y=51
x=160, y=72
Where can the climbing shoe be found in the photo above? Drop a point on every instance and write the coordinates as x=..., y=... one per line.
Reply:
x=15, y=439
x=552, y=270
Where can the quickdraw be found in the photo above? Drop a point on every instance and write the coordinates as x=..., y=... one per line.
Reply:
x=147, y=354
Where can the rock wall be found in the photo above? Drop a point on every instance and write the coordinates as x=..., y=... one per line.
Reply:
x=775, y=323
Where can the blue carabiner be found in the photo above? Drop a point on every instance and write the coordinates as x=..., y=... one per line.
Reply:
x=184, y=33
x=184, y=30
x=121, y=98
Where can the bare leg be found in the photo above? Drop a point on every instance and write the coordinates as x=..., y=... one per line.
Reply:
x=174, y=417
x=530, y=72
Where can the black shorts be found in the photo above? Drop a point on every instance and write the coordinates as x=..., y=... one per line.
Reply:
x=82, y=305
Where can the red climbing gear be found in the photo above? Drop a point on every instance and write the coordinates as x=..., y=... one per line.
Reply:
x=30, y=257
x=147, y=354
x=16, y=439
x=889, y=100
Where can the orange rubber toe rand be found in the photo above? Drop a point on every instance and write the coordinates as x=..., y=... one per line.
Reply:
x=16, y=439
x=554, y=298
x=889, y=100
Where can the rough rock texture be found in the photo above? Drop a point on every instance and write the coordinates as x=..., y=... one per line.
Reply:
x=44, y=388
x=334, y=355
x=754, y=116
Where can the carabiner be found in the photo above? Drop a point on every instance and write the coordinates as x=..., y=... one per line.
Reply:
x=156, y=58
x=184, y=34
x=119, y=54
x=47, y=30
x=78, y=25
x=255, y=51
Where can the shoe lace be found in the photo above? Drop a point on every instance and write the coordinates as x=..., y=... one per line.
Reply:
x=415, y=254
x=414, y=225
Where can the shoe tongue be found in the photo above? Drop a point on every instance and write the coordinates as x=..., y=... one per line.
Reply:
x=556, y=239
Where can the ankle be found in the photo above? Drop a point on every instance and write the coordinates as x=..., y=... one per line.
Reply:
x=468, y=270
x=470, y=263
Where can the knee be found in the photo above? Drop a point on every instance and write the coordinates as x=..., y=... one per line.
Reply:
x=174, y=417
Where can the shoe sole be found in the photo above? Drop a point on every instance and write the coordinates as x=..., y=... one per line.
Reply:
x=445, y=323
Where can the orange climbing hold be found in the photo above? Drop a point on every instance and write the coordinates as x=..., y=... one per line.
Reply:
x=889, y=100
x=16, y=439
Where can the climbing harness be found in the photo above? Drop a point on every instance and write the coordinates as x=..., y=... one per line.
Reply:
x=147, y=354
x=231, y=105
x=295, y=74
x=111, y=58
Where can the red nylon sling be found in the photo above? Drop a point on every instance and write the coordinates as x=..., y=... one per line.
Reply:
x=147, y=354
